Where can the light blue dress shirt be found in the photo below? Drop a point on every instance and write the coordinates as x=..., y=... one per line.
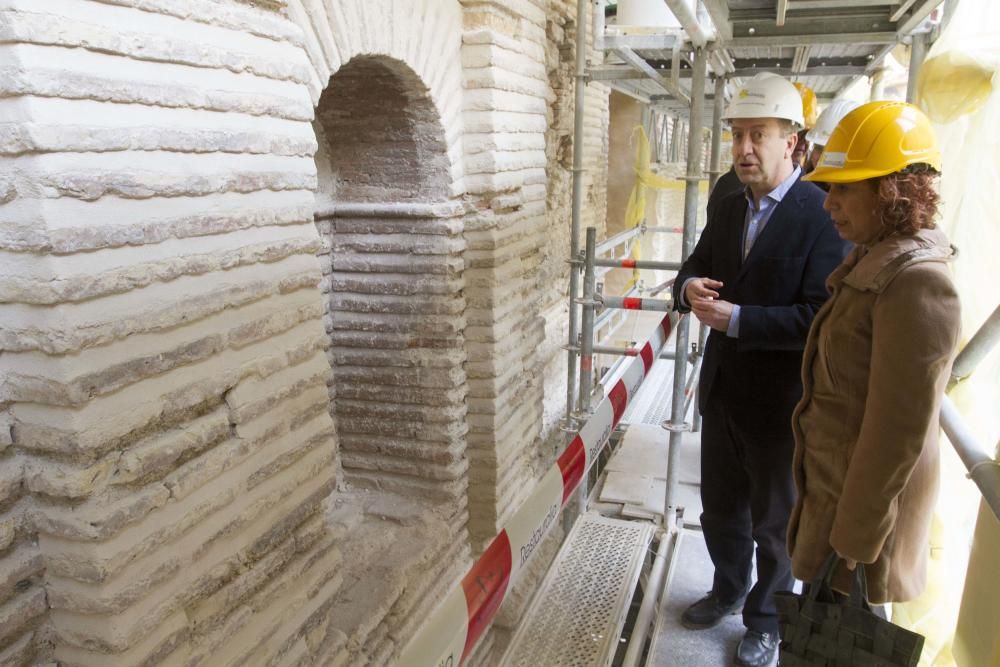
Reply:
x=754, y=225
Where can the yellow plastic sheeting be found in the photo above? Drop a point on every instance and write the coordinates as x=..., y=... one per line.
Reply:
x=926, y=613
x=958, y=74
x=978, y=639
x=955, y=83
x=635, y=211
x=957, y=92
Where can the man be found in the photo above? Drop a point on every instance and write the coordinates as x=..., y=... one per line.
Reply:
x=756, y=277
x=801, y=148
x=728, y=183
x=820, y=134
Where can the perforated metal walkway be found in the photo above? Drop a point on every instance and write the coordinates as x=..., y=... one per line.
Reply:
x=578, y=614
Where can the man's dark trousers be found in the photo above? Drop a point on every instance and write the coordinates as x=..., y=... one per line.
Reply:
x=747, y=495
x=750, y=384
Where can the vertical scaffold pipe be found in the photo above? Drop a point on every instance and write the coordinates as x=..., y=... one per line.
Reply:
x=587, y=330
x=877, y=90
x=579, y=503
x=918, y=51
x=687, y=246
x=574, y=234
x=675, y=138
x=715, y=167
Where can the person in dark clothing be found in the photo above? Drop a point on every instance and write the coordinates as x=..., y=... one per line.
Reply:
x=727, y=184
x=756, y=277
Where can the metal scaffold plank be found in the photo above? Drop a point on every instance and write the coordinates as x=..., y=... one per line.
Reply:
x=578, y=614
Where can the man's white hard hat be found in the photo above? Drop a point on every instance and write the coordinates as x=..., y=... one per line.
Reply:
x=829, y=119
x=767, y=95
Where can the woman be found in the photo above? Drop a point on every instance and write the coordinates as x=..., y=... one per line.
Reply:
x=876, y=360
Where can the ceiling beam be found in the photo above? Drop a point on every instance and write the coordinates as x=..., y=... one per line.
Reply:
x=809, y=40
x=917, y=16
x=614, y=73
x=781, y=10
x=794, y=14
x=877, y=58
x=718, y=11
x=830, y=70
x=789, y=63
x=816, y=24
x=898, y=14
x=688, y=19
x=838, y=4
x=659, y=42
x=870, y=69
x=801, y=59
x=628, y=73
x=636, y=61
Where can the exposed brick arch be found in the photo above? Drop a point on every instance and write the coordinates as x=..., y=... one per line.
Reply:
x=382, y=135
x=395, y=309
x=423, y=36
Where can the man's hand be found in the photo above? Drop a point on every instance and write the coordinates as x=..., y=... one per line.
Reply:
x=715, y=314
x=701, y=289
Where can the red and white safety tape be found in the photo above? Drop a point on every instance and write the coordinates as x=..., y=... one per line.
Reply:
x=448, y=636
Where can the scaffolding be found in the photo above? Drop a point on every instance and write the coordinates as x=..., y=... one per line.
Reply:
x=852, y=44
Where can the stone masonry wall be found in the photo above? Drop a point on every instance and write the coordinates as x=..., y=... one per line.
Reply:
x=504, y=114
x=167, y=435
x=518, y=98
x=183, y=478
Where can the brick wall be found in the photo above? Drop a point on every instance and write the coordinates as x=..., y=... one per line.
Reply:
x=212, y=442
x=164, y=374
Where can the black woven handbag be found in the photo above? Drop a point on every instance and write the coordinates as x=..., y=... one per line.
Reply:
x=819, y=631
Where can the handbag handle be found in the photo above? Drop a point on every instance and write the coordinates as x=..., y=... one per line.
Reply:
x=859, y=588
x=822, y=580
x=859, y=585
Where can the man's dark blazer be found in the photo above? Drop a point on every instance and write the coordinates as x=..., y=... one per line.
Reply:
x=779, y=288
x=728, y=183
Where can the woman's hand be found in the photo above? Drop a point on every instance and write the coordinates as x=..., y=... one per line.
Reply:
x=849, y=562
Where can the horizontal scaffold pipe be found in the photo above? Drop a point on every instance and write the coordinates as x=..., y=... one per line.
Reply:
x=448, y=636
x=665, y=230
x=618, y=239
x=636, y=303
x=611, y=349
x=606, y=315
x=980, y=345
x=627, y=263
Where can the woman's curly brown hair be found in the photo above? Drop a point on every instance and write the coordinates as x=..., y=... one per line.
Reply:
x=908, y=200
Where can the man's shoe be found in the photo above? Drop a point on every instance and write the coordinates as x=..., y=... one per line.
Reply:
x=757, y=649
x=709, y=612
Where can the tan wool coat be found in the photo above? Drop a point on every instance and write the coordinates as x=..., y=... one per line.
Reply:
x=866, y=430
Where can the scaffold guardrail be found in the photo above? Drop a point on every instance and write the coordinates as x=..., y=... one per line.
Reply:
x=449, y=635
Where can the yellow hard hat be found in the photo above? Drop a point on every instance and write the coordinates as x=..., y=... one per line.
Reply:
x=876, y=139
x=810, y=106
